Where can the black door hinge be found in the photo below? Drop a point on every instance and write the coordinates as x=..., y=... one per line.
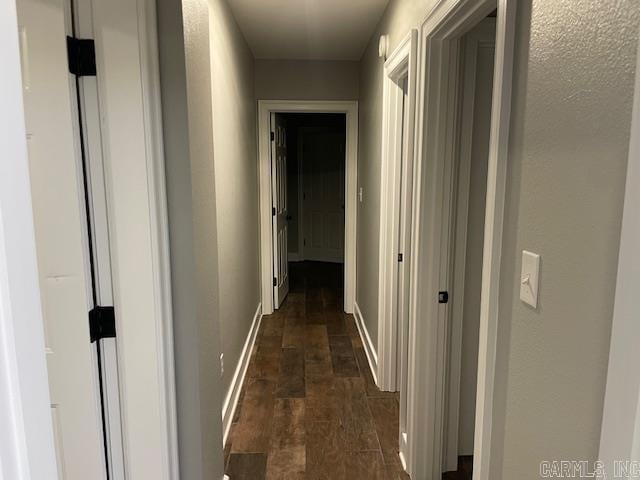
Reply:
x=275, y=282
x=443, y=297
x=273, y=136
x=273, y=211
x=400, y=257
x=102, y=323
x=81, y=54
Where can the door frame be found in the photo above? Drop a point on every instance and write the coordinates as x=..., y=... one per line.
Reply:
x=462, y=179
x=440, y=34
x=400, y=64
x=620, y=433
x=135, y=185
x=350, y=109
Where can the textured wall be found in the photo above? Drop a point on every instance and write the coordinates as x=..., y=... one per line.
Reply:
x=568, y=155
x=236, y=181
x=399, y=18
x=306, y=80
x=186, y=106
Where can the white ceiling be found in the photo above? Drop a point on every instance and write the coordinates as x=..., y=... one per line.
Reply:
x=308, y=29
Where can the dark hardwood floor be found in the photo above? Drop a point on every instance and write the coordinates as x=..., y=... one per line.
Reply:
x=309, y=408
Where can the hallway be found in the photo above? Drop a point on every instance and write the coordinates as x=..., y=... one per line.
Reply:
x=309, y=408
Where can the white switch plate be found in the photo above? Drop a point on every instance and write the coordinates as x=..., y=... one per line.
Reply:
x=529, y=278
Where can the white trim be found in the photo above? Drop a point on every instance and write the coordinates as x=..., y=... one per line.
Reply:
x=26, y=437
x=129, y=93
x=620, y=435
x=397, y=152
x=439, y=38
x=265, y=108
x=369, y=349
x=233, y=394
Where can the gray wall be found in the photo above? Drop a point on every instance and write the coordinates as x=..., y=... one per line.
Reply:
x=186, y=101
x=399, y=18
x=569, y=140
x=568, y=153
x=306, y=80
x=236, y=182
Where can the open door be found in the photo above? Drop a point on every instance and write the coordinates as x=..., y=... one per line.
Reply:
x=55, y=163
x=279, y=208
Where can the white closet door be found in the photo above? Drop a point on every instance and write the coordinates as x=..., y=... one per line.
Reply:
x=60, y=228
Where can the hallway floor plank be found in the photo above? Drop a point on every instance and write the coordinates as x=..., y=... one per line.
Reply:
x=309, y=407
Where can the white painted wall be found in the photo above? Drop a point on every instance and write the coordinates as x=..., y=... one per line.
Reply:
x=306, y=80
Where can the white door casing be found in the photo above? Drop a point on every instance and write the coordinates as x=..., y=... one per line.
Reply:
x=280, y=209
x=322, y=161
x=439, y=37
x=58, y=207
x=265, y=108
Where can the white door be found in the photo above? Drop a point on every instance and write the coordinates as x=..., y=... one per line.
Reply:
x=323, y=163
x=279, y=208
x=60, y=228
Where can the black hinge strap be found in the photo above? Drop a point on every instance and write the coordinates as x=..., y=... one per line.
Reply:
x=275, y=282
x=102, y=323
x=81, y=53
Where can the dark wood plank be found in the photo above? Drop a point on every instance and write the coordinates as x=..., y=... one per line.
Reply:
x=386, y=416
x=294, y=336
x=317, y=362
x=247, y=466
x=272, y=325
x=344, y=366
x=288, y=424
x=325, y=451
x=360, y=432
x=370, y=386
x=316, y=336
x=340, y=345
x=365, y=465
x=253, y=430
x=291, y=377
x=287, y=464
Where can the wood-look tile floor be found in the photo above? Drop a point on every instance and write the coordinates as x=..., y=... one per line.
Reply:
x=309, y=408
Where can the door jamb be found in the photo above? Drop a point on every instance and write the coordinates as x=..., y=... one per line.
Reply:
x=350, y=109
x=462, y=179
x=449, y=20
x=620, y=433
x=396, y=151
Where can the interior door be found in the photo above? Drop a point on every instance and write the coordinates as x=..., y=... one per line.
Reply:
x=61, y=239
x=279, y=208
x=323, y=160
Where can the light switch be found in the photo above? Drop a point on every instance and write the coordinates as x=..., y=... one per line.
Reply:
x=529, y=278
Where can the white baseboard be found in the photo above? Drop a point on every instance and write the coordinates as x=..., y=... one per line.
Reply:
x=231, y=399
x=369, y=349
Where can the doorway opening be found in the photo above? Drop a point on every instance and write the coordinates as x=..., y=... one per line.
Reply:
x=475, y=81
x=307, y=167
x=308, y=174
x=466, y=64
